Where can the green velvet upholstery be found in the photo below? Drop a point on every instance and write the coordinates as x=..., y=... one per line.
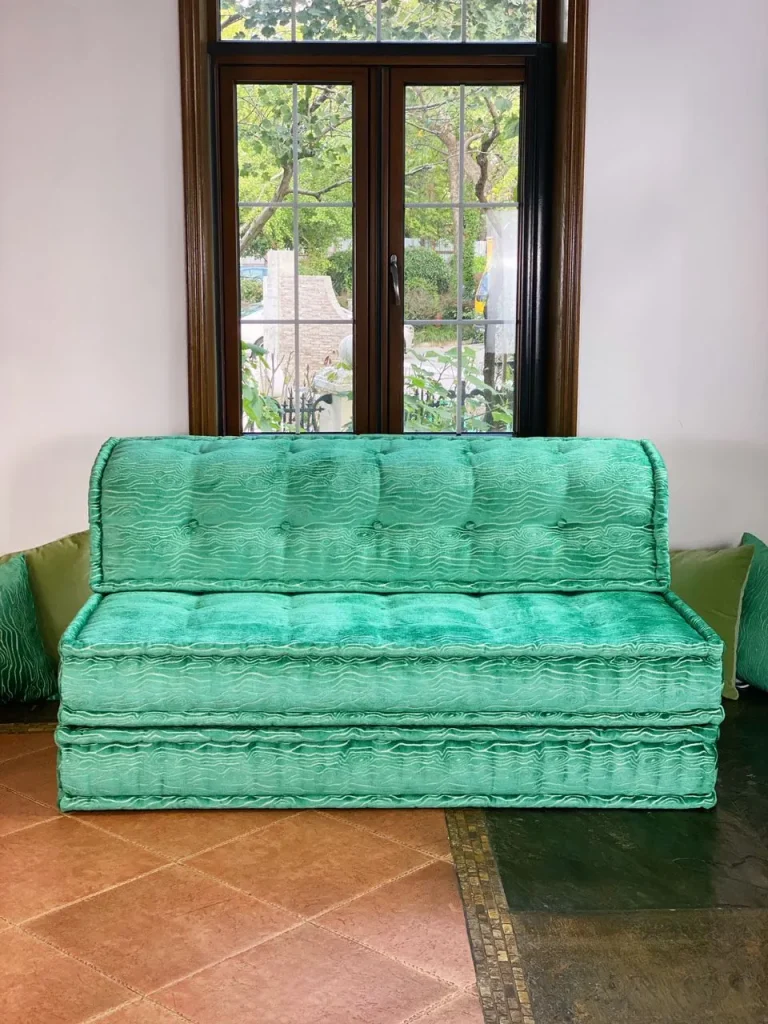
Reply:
x=26, y=672
x=386, y=767
x=384, y=621
x=752, y=664
x=410, y=514
x=405, y=659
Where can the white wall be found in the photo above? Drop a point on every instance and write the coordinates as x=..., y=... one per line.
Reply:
x=675, y=289
x=92, y=304
x=674, y=329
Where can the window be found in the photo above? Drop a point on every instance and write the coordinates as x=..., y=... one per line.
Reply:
x=383, y=179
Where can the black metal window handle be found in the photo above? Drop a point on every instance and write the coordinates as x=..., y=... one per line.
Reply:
x=395, y=275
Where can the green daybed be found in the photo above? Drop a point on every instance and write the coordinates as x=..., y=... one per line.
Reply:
x=383, y=621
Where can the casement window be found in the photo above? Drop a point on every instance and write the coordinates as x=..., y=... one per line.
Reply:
x=382, y=183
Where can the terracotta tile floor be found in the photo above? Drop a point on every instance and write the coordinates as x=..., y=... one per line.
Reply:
x=223, y=917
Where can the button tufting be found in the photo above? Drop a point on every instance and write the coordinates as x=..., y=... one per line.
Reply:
x=469, y=526
x=285, y=525
x=562, y=522
x=376, y=525
x=192, y=524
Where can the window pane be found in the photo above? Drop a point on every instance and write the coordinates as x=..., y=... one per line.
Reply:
x=296, y=256
x=460, y=257
x=365, y=20
x=326, y=261
x=336, y=20
x=325, y=143
x=252, y=20
x=419, y=20
x=432, y=144
x=490, y=264
x=487, y=382
x=429, y=277
x=510, y=20
x=265, y=143
x=267, y=378
x=325, y=377
x=491, y=133
x=273, y=20
x=431, y=376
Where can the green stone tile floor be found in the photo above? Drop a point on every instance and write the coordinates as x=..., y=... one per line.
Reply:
x=648, y=917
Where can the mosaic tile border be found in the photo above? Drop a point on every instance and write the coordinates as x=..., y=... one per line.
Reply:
x=500, y=979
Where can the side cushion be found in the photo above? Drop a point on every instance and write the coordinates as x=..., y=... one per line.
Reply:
x=26, y=672
x=172, y=659
x=752, y=664
x=711, y=581
x=58, y=576
x=382, y=514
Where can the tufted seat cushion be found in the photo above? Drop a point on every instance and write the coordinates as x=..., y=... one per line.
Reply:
x=175, y=659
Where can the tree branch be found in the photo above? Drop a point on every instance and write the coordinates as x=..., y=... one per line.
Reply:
x=323, y=191
x=256, y=225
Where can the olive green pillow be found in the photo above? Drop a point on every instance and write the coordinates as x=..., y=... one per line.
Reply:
x=712, y=582
x=26, y=671
x=58, y=575
x=753, y=637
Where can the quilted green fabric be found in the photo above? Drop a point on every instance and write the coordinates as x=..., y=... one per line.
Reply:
x=384, y=621
x=26, y=673
x=101, y=769
x=386, y=514
x=616, y=658
x=752, y=666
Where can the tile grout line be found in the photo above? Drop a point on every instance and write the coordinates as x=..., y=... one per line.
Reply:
x=392, y=839
x=181, y=860
x=91, y=896
x=244, y=892
x=457, y=989
x=32, y=824
x=33, y=799
x=84, y=963
x=151, y=992
x=25, y=753
x=445, y=1001
x=103, y=1014
x=223, y=960
x=311, y=917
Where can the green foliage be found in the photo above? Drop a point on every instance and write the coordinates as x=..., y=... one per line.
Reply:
x=251, y=291
x=262, y=411
x=340, y=268
x=423, y=303
x=431, y=406
x=424, y=268
x=356, y=19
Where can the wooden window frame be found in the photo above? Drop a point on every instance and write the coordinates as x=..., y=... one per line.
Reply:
x=553, y=372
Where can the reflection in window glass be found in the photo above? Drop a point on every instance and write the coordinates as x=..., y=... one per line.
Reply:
x=378, y=20
x=296, y=256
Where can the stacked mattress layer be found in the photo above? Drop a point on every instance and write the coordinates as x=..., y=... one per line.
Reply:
x=172, y=699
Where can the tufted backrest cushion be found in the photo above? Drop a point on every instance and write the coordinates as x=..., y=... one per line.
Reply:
x=382, y=514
